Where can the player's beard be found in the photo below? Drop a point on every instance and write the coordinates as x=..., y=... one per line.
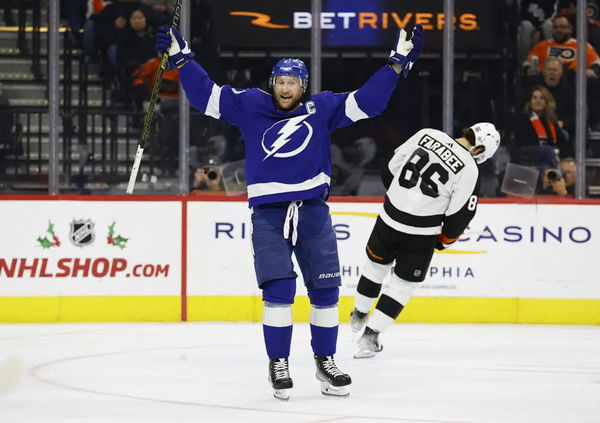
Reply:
x=289, y=105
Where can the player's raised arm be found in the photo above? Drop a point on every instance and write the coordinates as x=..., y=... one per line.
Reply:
x=203, y=93
x=372, y=98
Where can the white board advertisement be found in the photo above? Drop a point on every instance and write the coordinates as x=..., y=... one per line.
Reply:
x=90, y=248
x=509, y=250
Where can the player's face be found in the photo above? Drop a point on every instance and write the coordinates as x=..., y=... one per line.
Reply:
x=287, y=92
x=538, y=102
x=561, y=30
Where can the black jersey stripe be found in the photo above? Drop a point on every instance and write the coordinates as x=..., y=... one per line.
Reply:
x=411, y=219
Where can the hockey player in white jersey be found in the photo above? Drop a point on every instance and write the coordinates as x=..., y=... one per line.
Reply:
x=432, y=183
x=288, y=170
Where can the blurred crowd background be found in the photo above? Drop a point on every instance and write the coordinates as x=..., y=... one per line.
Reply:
x=520, y=77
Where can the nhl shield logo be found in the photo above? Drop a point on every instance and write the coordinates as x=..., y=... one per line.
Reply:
x=82, y=232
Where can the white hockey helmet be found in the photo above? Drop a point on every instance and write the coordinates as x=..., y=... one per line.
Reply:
x=487, y=136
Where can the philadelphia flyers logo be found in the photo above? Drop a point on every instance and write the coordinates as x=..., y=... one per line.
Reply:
x=563, y=53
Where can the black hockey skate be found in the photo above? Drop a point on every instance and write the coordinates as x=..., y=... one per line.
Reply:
x=368, y=344
x=358, y=321
x=334, y=382
x=279, y=377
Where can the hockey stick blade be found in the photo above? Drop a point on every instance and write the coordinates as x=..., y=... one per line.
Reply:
x=135, y=169
x=150, y=112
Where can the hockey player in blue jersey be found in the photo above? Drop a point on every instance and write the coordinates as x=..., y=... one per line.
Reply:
x=288, y=165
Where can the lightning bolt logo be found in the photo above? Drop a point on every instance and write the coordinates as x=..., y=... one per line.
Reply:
x=285, y=133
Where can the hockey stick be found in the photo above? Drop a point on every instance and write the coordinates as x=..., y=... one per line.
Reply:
x=150, y=112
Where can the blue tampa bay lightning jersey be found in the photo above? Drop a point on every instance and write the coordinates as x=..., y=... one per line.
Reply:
x=288, y=154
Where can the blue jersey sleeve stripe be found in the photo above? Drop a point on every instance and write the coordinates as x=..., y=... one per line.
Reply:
x=213, y=108
x=269, y=188
x=353, y=111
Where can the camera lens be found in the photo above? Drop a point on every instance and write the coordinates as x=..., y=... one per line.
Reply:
x=553, y=175
x=211, y=174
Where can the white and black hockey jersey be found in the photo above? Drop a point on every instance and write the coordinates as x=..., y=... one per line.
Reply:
x=432, y=184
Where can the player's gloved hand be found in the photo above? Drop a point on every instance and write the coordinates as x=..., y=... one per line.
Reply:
x=443, y=242
x=168, y=39
x=407, y=49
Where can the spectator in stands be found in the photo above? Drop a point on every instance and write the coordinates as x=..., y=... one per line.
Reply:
x=535, y=23
x=90, y=50
x=208, y=178
x=561, y=87
x=563, y=46
x=568, y=8
x=560, y=181
x=161, y=10
x=109, y=25
x=74, y=12
x=537, y=133
x=135, y=45
x=144, y=78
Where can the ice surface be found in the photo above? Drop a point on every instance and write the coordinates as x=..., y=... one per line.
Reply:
x=217, y=372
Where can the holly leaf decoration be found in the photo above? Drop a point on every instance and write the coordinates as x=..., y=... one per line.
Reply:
x=117, y=241
x=120, y=241
x=50, y=229
x=53, y=241
x=44, y=242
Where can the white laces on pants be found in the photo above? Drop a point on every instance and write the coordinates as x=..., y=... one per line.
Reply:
x=292, y=218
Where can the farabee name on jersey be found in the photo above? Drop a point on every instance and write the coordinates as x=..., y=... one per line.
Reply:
x=443, y=152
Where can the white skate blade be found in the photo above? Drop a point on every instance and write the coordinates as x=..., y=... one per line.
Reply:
x=334, y=391
x=281, y=394
x=364, y=354
x=11, y=372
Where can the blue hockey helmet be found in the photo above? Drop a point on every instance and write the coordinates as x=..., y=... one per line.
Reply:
x=289, y=67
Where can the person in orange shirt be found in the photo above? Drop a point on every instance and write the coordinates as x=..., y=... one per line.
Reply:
x=564, y=47
x=145, y=76
x=143, y=79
